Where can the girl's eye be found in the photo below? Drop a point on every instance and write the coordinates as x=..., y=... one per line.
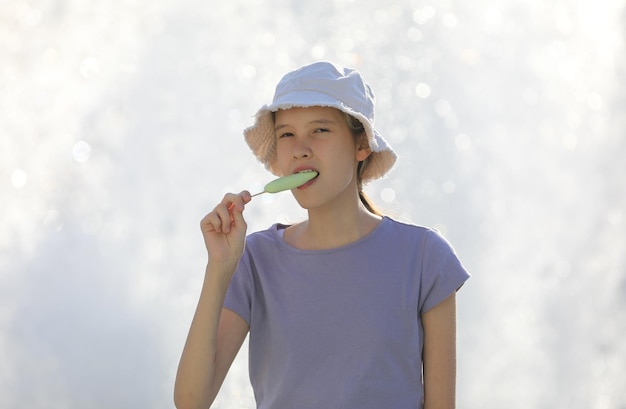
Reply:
x=284, y=135
x=321, y=130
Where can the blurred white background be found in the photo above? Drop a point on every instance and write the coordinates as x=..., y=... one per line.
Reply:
x=120, y=127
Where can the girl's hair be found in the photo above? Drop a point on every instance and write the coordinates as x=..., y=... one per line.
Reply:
x=357, y=130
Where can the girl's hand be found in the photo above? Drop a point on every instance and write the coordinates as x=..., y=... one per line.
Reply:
x=224, y=229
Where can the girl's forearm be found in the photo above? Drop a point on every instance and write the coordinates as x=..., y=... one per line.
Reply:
x=196, y=370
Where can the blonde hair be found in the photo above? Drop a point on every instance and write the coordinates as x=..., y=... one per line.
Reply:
x=358, y=131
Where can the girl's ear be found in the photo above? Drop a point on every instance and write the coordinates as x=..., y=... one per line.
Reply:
x=363, y=153
x=363, y=149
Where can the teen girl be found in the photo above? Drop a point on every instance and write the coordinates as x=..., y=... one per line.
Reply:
x=348, y=309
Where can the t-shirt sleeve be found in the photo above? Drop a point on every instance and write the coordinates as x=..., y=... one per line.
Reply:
x=239, y=294
x=442, y=272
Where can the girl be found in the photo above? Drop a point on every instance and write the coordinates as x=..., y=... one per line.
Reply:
x=347, y=309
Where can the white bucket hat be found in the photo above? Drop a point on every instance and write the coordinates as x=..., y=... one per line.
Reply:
x=328, y=85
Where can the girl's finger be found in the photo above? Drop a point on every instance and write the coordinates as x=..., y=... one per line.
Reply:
x=211, y=222
x=222, y=217
x=238, y=200
x=222, y=213
x=237, y=219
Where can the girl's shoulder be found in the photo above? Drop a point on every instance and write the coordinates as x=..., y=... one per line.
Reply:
x=430, y=237
x=406, y=227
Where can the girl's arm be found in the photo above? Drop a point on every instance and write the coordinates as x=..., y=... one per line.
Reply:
x=216, y=334
x=440, y=355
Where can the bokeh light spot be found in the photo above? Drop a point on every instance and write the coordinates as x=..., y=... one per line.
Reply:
x=450, y=20
x=469, y=56
x=52, y=220
x=318, y=51
x=28, y=15
x=81, y=151
x=398, y=134
x=388, y=195
x=462, y=142
x=422, y=90
x=248, y=72
x=51, y=56
x=448, y=187
x=18, y=178
x=424, y=15
x=89, y=68
x=443, y=108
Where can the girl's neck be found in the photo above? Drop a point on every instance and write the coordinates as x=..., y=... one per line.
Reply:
x=332, y=228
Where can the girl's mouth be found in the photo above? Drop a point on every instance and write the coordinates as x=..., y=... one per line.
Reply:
x=306, y=184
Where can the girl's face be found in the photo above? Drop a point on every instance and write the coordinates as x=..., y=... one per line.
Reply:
x=319, y=138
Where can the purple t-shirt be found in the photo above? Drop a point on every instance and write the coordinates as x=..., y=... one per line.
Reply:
x=341, y=328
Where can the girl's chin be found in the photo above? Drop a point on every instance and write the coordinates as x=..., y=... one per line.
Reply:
x=307, y=203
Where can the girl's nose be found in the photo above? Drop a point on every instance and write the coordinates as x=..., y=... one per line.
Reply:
x=301, y=150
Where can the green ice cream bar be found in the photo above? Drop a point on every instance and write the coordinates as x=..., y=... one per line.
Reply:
x=290, y=182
